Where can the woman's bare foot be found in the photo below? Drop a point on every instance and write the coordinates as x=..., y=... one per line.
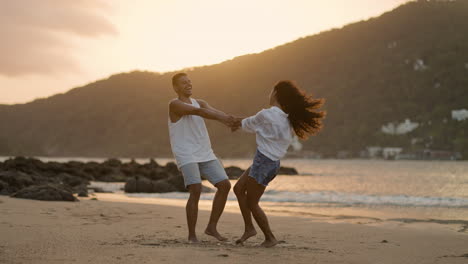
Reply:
x=269, y=243
x=246, y=235
x=214, y=233
x=193, y=240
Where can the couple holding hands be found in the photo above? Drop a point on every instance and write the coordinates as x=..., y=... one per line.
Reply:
x=292, y=112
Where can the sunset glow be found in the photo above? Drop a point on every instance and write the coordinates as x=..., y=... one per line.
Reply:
x=98, y=39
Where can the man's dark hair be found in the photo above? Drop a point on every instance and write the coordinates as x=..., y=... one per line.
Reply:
x=176, y=77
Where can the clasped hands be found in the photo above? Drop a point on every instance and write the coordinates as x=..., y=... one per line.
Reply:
x=233, y=122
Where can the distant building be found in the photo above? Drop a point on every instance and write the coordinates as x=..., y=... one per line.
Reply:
x=460, y=115
x=441, y=155
x=399, y=129
x=374, y=152
x=419, y=65
x=391, y=153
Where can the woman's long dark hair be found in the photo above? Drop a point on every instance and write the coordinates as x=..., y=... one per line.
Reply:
x=301, y=108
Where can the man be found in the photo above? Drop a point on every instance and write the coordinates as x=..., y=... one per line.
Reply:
x=192, y=150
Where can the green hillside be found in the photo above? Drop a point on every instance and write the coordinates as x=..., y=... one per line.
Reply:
x=410, y=63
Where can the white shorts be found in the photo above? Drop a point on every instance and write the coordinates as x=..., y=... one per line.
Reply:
x=211, y=170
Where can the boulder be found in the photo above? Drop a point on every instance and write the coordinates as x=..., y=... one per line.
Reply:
x=287, y=171
x=153, y=163
x=234, y=172
x=112, y=163
x=177, y=180
x=158, y=174
x=71, y=180
x=4, y=188
x=81, y=190
x=171, y=168
x=47, y=192
x=144, y=185
x=138, y=184
x=130, y=185
x=163, y=186
x=15, y=181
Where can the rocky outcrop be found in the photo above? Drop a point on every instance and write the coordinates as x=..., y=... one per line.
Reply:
x=47, y=192
x=19, y=173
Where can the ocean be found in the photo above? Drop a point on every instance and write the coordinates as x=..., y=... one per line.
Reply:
x=355, y=190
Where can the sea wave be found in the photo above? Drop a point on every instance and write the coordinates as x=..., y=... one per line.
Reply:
x=364, y=199
x=336, y=198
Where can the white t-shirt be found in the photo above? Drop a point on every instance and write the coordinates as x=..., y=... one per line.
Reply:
x=273, y=131
x=190, y=141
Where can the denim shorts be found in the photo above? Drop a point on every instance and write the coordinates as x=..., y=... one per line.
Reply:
x=212, y=170
x=263, y=169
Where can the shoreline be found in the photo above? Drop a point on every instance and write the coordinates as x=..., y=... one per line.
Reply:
x=121, y=232
x=164, y=160
x=360, y=216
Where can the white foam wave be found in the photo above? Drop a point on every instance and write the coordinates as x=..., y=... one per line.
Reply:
x=362, y=199
x=344, y=199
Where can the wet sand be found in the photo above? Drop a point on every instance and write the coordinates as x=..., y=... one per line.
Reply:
x=104, y=231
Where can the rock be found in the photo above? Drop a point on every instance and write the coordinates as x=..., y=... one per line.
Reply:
x=130, y=185
x=112, y=163
x=54, y=167
x=163, y=186
x=171, y=168
x=3, y=188
x=138, y=184
x=158, y=174
x=81, y=190
x=71, y=180
x=47, y=192
x=83, y=194
x=15, y=181
x=109, y=174
x=144, y=185
x=287, y=171
x=177, y=180
x=234, y=172
x=75, y=164
x=153, y=164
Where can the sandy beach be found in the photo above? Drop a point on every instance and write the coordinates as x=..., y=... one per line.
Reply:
x=105, y=231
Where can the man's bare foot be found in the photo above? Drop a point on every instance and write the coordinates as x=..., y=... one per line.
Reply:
x=269, y=243
x=215, y=234
x=193, y=240
x=246, y=235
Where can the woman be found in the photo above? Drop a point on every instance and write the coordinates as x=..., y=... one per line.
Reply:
x=291, y=112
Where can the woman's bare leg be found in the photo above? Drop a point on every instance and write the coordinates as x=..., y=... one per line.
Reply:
x=254, y=193
x=240, y=189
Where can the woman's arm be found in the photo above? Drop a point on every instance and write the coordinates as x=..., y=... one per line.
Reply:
x=251, y=124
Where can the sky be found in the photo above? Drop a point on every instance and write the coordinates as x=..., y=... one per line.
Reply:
x=52, y=46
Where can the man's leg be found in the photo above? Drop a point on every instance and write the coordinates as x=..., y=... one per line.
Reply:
x=240, y=189
x=192, y=180
x=214, y=172
x=219, y=202
x=254, y=193
x=192, y=211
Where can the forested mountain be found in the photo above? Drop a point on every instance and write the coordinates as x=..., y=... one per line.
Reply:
x=410, y=63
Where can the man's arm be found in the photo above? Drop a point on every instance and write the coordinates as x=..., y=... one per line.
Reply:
x=181, y=109
x=204, y=104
